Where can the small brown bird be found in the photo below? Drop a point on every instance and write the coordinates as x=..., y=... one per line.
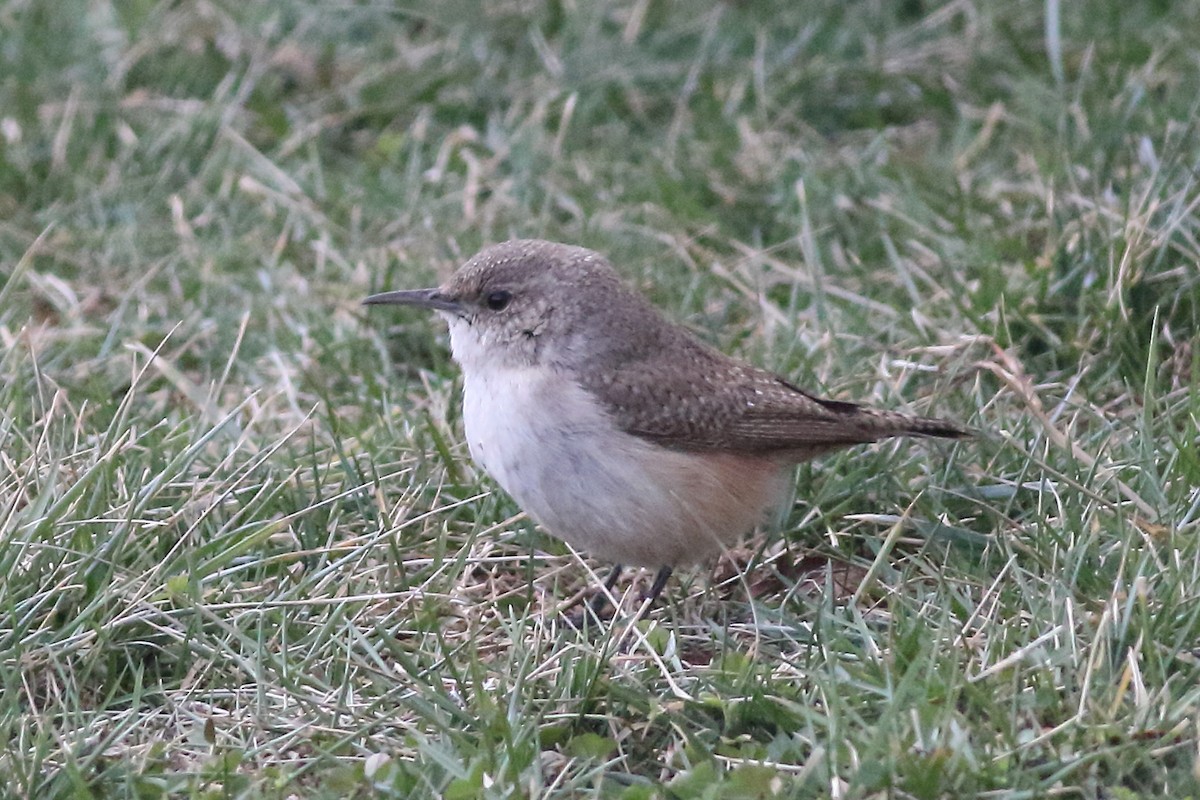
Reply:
x=616, y=429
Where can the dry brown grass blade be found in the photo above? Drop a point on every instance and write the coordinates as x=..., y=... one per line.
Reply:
x=1011, y=372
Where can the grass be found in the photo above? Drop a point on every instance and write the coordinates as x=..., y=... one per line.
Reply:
x=243, y=550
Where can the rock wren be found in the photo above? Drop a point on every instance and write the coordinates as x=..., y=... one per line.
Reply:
x=616, y=429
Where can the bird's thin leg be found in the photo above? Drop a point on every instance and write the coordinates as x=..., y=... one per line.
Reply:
x=611, y=580
x=660, y=580
x=599, y=600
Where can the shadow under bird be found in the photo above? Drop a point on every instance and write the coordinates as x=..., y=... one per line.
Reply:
x=617, y=429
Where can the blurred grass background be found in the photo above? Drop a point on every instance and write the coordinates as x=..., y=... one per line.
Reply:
x=243, y=552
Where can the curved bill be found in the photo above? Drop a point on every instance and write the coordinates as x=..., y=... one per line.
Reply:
x=422, y=298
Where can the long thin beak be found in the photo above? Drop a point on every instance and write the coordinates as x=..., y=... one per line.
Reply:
x=422, y=298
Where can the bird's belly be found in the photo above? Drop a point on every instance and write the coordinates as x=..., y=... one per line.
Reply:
x=552, y=446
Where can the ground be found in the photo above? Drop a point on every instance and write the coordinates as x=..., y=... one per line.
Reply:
x=244, y=552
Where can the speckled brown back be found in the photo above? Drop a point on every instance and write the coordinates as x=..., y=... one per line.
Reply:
x=693, y=398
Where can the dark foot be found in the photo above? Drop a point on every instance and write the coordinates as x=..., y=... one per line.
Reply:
x=598, y=604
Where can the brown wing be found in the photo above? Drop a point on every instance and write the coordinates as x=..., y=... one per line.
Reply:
x=703, y=400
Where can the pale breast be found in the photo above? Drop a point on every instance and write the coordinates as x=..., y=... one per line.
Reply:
x=551, y=445
x=522, y=421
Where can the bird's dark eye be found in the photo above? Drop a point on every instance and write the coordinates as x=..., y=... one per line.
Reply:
x=498, y=300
